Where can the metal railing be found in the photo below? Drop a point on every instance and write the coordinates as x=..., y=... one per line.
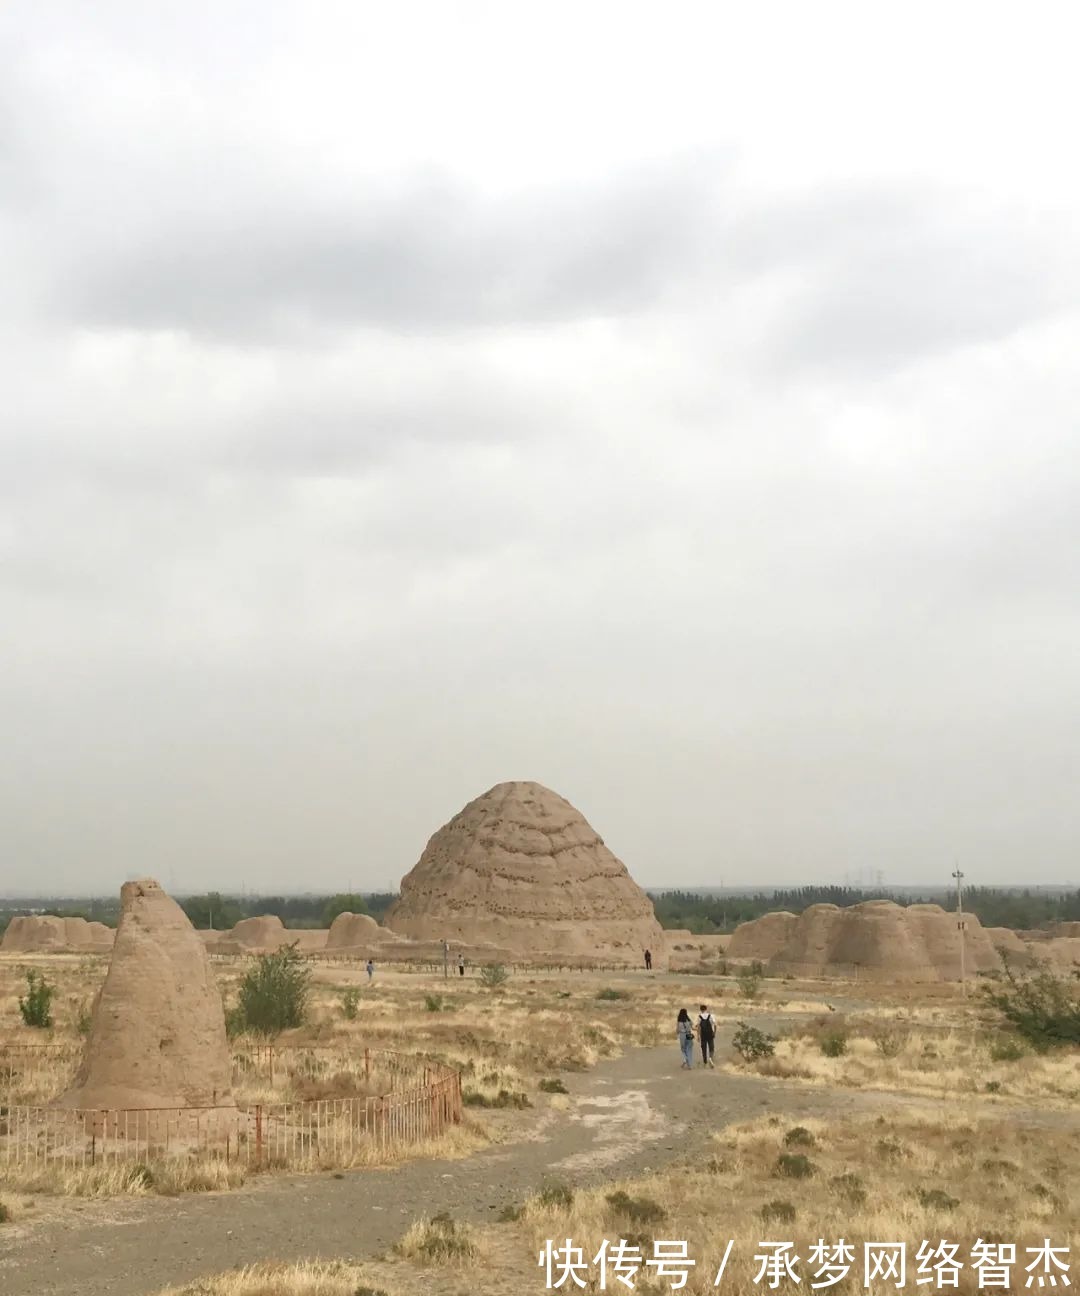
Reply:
x=424, y=1101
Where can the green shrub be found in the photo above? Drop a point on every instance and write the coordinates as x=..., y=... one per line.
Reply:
x=36, y=1007
x=794, y=1165
x=608, y=995
x=504, y=1098
x=553, y=1086
x=493, y=974
x=799, y=1136
x=84, y=1017
x=434, y=1003
x=350, y=1003
x=777, y=1212
x=557, y=1194
x=273, y=995
x=850, y=1187
x=5, y=1214
x=834, y=1044
x=749, y=983
x=1043, y=1008
x=638, y=1210
x=935, y=1199
x=751, y=1043
x=993, y=1086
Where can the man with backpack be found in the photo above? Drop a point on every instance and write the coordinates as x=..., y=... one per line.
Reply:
x=707, y=1036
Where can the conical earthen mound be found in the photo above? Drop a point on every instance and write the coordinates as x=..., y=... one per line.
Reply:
x=519, y=867
x=158, y=1033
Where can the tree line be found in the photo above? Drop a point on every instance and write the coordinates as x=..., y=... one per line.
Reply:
x=699, y=912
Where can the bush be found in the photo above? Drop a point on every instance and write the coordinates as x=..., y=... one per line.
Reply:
x=273, y=995
x=493, y=974
x=777, y=1212
x=833, y=1045
x=608, y=995
x=1007, y=1049
x=553, y=1086
x=794, y=1165
x=350, y=1003
x=434, y=1003
x=750, y=983
x=888, y=1042
x=799, y=1136
x=751, y=1043
x=638, y=1210
x=935, y=1199
x=84, y=1017
x=36, y=1008
x=439, y=1239
x=504, y=1098
x=1042, y=1008
x=556, y=1194
x=850, y=1187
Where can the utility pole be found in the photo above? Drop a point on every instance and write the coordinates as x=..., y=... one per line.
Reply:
x=960, y=925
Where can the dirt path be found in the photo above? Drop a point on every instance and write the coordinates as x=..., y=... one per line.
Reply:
x=626, y=1116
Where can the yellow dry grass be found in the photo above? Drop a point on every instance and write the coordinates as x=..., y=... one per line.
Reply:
x=337, y=1278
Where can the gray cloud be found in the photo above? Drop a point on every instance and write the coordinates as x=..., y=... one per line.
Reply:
x=730, y=496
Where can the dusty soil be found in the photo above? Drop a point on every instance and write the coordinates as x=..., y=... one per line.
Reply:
x=627, y=1116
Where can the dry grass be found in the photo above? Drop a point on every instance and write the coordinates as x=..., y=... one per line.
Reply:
x=868, y=1181
x=338, y=1278
x=915, y=1055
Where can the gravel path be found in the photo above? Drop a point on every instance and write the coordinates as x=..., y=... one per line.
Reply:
x=624, y=1117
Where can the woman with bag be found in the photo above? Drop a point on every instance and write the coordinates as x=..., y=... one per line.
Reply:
x=684, y=1028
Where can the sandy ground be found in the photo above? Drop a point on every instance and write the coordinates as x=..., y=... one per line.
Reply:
x=627, y=1116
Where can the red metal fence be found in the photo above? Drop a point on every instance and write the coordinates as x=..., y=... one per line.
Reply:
x=423, y=1101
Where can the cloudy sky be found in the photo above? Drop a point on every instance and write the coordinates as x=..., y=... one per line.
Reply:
x=674, y=405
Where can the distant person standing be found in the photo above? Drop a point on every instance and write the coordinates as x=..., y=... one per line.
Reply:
x=684, y=1029
x=648, y=960
x=461, y=964
x=706, y=1025
x=370, y=969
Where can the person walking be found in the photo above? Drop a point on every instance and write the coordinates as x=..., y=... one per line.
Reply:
x=370, y=969
x=461, y=964
x=648, y=960
x=706, y=1025
x=684, y=1028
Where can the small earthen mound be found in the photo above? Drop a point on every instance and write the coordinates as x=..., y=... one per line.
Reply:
x=349, y=930
x=264, y=933
x=520, y=868
x=158, y=1033
x=761, y=938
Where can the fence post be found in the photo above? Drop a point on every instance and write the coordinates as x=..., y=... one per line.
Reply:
x=367, y=1064
x=258, y=1136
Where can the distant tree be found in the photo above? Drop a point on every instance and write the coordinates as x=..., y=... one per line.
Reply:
x=212, y=910
x=340, y=904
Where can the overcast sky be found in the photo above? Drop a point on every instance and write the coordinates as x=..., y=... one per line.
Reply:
x=677, y=406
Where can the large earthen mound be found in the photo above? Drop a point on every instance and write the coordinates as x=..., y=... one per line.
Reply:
x=883, y=941
x=43, y=933
x=157, y=1038
x=761, y=938
x=520, y=868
